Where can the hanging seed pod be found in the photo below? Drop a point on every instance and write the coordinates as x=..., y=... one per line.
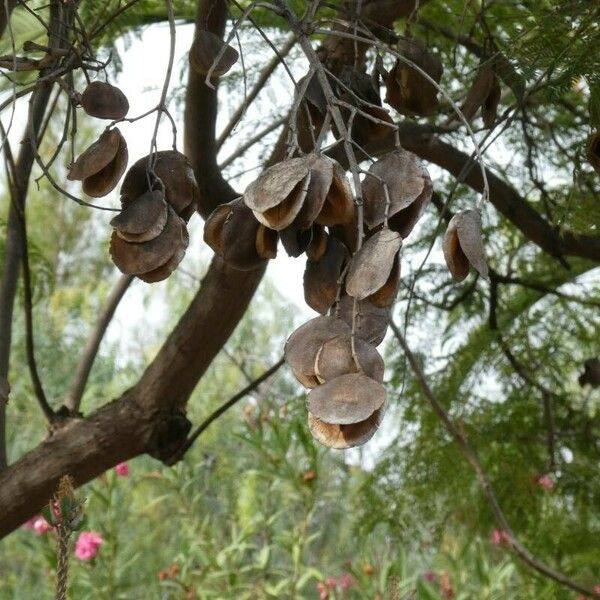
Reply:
x=384, y=297
x=321, y=277
x=311, y=113
x=349, y=398
x=169, y=267
x=338, y=207
x=463, y=245
x=136, y=259
x=302, y=346
x=591, y=373
x=371, y=321
x=97, y=156
x=213, y=228
x=104, y=101
x=371, y=266
x=295, y=241
x=266, y=242
x=593, y=151
x=409, y=191
x=143, y=219
x=176, y=174
x=321, y=181
x=106, y=179
x=408, y=91
x=347, y=233
x=335, y=358
x=205, y=50
x=485, y=94
x=342, y=437
x=318, y=243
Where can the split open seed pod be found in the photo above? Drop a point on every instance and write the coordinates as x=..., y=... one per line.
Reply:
x=142, y=219
x=409, y=190
x=335, y=357
x=384, y=297
x=295, y=241
x=321, y=276
x=485, y=94
x=177, y=175
x=165, y=270
x=463, y=245
x=318, y=243
x=342, y=437
x=266, y=242
x=408, y=91
x=104, y=181
x=231, y=231
x=105, y=101
x=140, y=258
x=593, y=151
x=347, y=399
x=303, y=345
x=97, y=156
x=371, y=266
x=338, y=207
x=205, y=50
x=371, y=321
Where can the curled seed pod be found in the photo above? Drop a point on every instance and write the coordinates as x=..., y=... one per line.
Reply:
x=349, y=398
x=384, y=297
x=318, y=243
x=136, y=259
x=295, y=241
x=213, y=228
x=338, y=207
x=143, y=219
x=106, y=179
x=593, y=151
x=463, y=245
x=176, y=174
x=205, y=49
x=105, y=101
x=97, y=156
x=165, y=270
x=409, y=191
x=485, y=94
x=266, y=242
x=302, y=346
x=371, y=266
x=335, y=357
x=321, y=177
x=591, y=373
x=321, y=277
x=342, y=437
x=407, y=90
x=371, y=321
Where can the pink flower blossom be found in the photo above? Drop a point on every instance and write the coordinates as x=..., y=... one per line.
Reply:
x=429, y=576
x=122, y=469
x=323, y=590
x=87, y=544
x=446, y=586
x=499, y=537
x=345, y=581
x=38, y=524
x=545, y=482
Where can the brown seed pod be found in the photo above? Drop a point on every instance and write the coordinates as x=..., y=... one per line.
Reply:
x=213, y=228
x=165, y=270
x=321, y=178
x=295, y=241
x=266, y=242
x=311, y=113
x=485, y=94
x=321, y=277
x=342, y=437
x=407, y=90
x=335, y=358
x=302, y=346
x=409, y=191
x=371, y=266
x=338, y=207
x=593, y=151
x=136, y=259
x=106, y=179
x=97, y=156
x=177, y=175
x=205, y=50
x=142, y=219
x=371, y=321
x=463, y=245
x=591, y=373
x=105, y=101
x=489, y=110
x=349, y=398
x=385, y=296
x=318, y=243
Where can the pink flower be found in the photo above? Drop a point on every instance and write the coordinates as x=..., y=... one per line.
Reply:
x=331, y=583
x=545, y=482
x=429, y=576
x=597, y=589
x=122, y=469
x=499, y=537
x=345, y=581
x=446, y=585
x=323, y=590
x=87, y=544
x=38, y=524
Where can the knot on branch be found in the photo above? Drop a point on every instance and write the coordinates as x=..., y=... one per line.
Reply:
x=169, y=434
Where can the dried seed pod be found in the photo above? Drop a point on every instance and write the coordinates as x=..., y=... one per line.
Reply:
x=342, y=437
x=105, y=101
x=295, y=241
x=318, y=243
x=176, y=174
x=321, y=179
x=371, y=321
x=302, y=346
x=409, y=190
x=338, y=207
x=349, y=398
x=106, y=179
x=371, y=266
x=311, y=113
x=165, y=270
x=97, y=156
x=136, y=259
x=205, y=50
x=591, y=373
x=213, y=228
x=593, y=151
x=266, y=242
x=484, y=94
x=335, y=358
x=384, y=297
x=408, y=91
x=321, y=277
x=143, y=219
x=463, y=245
